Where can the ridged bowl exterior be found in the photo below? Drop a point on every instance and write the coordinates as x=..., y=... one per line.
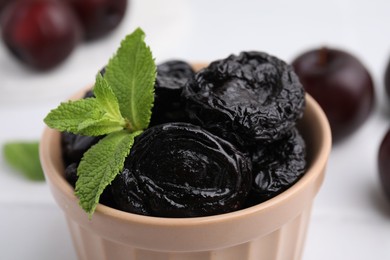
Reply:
x=285, y=243
x=272, y=230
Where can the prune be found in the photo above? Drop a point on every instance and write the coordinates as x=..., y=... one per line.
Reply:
x=40, y=33
x=74, y=146
x=181, y=170
x=103, y=71
x=276, y=167
x=71, y=177
x=384, y=164
x=252, y=97
x=71, y=173
x=88, y=94
x=341, y=85
x=168, y=105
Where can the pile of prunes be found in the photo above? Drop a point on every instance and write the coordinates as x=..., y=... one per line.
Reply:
x=220, y=139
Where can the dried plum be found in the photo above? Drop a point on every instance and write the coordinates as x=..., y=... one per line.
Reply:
x=252, y=97
x=89, y=94
x=177, y=70
x=71, y=173
x=277, y=166
x=168, y=105
x=74, y=146
x=181, y=170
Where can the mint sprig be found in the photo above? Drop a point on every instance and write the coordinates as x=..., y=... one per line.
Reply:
x=121, y=110
x=90, y=116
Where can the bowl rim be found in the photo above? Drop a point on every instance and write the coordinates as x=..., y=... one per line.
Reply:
x=317, y=164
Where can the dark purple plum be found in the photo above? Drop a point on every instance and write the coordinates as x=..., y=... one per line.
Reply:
x=342, y=86
x=40, y=33
x=99, y=17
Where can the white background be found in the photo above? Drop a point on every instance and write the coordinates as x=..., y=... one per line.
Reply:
x=351, y=218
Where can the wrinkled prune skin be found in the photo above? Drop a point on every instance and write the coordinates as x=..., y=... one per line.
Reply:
x=74, y=146
x=277, y=166
x=177, y=70
x=168, y=105
x=71, y=173
x=249, y=98
x=71, y=177
x=181, y=170
x=89, y=94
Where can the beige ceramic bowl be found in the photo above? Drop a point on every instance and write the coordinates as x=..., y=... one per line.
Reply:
x=273, y=230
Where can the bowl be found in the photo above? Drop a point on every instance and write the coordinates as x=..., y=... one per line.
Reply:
x=273, y=230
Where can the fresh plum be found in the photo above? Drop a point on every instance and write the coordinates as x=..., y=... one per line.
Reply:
x=341, y=85
x=40, y=33
x=99, y=17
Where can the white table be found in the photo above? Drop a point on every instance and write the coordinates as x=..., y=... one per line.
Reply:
x=351, y=218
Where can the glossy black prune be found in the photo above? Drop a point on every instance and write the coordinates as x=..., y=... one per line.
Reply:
x=277, y=166
x=74, y=146
x=71, y=173
x=177, y=70
x=168, y=105
x=252, y=97
x=71, y=177
x=181, y=170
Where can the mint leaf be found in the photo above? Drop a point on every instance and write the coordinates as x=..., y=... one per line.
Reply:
x=131, y=73
x=90, y=116
x=24, y=157
x=68, y=115
x=110, y=119
x=96, y=127
x=99, y=166
x=107, y=99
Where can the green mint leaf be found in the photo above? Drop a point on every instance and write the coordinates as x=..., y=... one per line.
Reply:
x=107, y=99
x=131, y=73
x=110, y=119
x=24, y=157
x=68, y=115
x=100, y=165
x=96, y=127
x=87, y=116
